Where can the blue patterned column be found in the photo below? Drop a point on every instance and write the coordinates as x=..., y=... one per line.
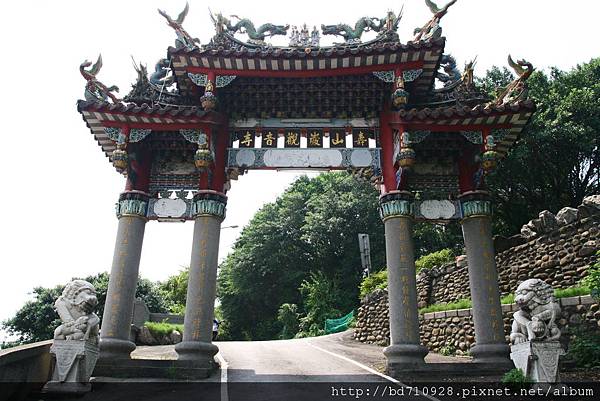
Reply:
x=397, y=213
x=490, y=344
x=116, y=320
x=208, y=209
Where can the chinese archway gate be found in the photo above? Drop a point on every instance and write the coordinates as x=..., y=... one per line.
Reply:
x=398, y=114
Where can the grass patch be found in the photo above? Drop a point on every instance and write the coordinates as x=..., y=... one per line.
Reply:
x=505, y=300
x=162, y=329
x=460, y=304
x=571, y=292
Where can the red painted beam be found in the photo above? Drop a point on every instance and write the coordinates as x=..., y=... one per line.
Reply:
x=159, y=126
x=221, y=142
x=386, y=137
x=466, y=169
x=138, y=178
x=307, y=73
x=408, y=126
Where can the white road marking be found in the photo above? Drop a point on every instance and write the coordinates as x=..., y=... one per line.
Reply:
x=368, y=369
x=224, y=365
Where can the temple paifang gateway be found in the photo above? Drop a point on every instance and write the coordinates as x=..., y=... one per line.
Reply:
x=398, y=114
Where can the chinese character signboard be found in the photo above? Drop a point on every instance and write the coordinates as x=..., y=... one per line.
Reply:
x=292, y=138
x=269, y=138
x=314, y=138
x=337, y=138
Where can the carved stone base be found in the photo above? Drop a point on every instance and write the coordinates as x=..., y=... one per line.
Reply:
x=538, y=360
x=74, y=363
x=201, y=353
x=400, y=356
x=491, y=353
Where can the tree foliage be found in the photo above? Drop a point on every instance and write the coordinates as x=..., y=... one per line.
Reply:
x=433, y=259
x=303, y=250
x=287, y=316
x=556, y=162
x=37, y=319
x=373, y=282
x=174, y=291
x=313, y=227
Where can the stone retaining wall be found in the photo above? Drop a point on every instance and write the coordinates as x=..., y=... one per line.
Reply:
x=560, y=257
x=454, y=328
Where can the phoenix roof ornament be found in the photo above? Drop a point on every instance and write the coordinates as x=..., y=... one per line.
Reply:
x=432, y=30
x=184, y=39
x=517, y=89
x=94, y=89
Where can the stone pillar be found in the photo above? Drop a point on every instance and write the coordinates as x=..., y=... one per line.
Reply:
x=490, y=344
x=397, y=212
x=116, y=321
x=208, y=209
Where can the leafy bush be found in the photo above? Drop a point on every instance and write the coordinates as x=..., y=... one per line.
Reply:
x=162, y=329
x=515, y=379
x=592, y=280
x=584, y=349
x=288, y=317
x=460, y=304
x=448, y=350
x=374, y=281
x=433, y=259
x=320, y=296
x=313, y=331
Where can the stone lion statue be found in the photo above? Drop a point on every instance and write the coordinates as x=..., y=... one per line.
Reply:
x=538, y=310
x=75, y=307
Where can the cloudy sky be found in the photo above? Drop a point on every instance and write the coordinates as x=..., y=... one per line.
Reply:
x=58, y=204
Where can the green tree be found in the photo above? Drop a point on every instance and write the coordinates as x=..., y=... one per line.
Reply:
x=36, y=320
x=556, y=162
x=308, y=235
x=174, y=290
x=312, y=227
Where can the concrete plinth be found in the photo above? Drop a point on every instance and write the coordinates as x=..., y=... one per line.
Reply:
x=74, y=362
x=116, y=321
x=490, y=344
x=405, y=348
x=209, y=208
x=538, y=359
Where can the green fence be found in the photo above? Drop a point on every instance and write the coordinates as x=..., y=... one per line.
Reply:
x=337, y=325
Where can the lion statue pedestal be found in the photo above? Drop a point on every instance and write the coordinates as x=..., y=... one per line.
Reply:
x=75, y=347
x=538, y=359
x=535, y=348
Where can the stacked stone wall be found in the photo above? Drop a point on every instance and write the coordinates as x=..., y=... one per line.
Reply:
x=555, y=248
x=454, y=329
x=560, y=257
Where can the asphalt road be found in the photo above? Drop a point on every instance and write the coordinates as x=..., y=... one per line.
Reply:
x=333, y=367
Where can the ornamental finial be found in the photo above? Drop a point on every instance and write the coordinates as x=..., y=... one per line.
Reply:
x=517, y=89
x=433, y=30
x=184, y=39
x=94, y=89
